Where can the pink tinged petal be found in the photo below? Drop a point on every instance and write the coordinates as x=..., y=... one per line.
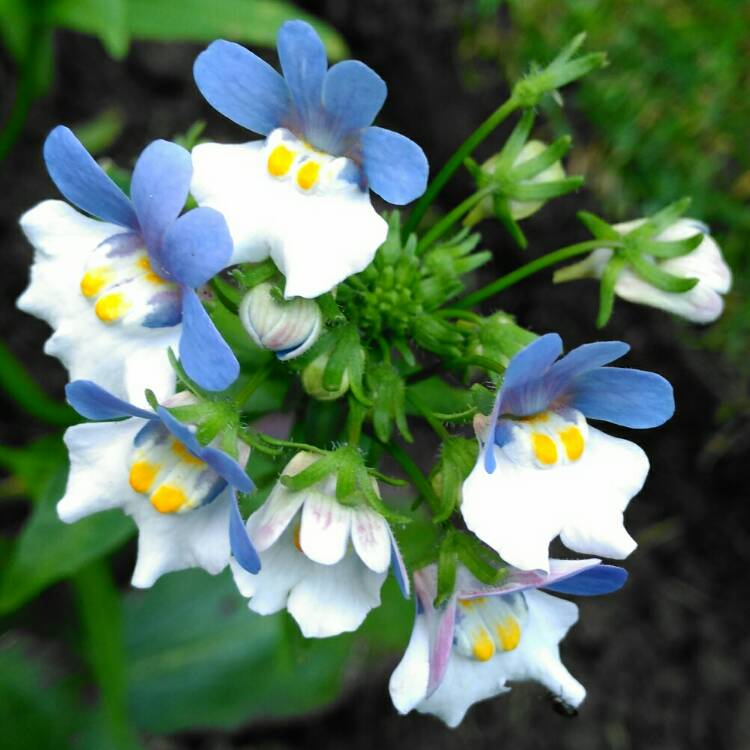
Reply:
x=397, y=566
x=371, y=539
x=408, y=683
x=274, y=516
x=324, y=534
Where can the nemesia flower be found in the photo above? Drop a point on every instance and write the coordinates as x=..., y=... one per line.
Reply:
x=321, y=560
x=544, y=470
x=288, y=328
x=703, y=303
x=301, y=194
x=119, y=292
x=180, y=494
x=484, y=637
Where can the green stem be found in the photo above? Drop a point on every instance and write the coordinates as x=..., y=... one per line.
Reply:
x=436, y=424
x=252, y=384
x=531, y=268
x=450, y=167
x=101, y=617
x=414, y=473
x=449, y=312
x=442, y=226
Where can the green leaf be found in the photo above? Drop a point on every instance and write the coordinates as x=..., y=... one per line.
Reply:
x=106, y=19
x=254, y=22
x=47, y=550
x=99, y=134
x=196, y=656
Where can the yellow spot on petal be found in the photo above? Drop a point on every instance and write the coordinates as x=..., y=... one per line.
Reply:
x=93, y=281
x=483, y=647
x=142, y=475
x=307, y=175
x=295, y=538
x=469, y=603
x=110, y=307
x=544, y=448
x=168, y=499
x=508, y=634
x=182, y=452
x=145, y=265
x=535, y=418
x=573, y=442
x=280, y=160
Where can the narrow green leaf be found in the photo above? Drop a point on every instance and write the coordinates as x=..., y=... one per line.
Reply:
x=106, y=19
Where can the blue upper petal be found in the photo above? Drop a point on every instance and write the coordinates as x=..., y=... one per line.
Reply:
x=601, y=579
x=353, y=94
x=242, y=87
x=204, y=353
x=580, y=360
x=225, y=466
x=93, y=402
x=303, y=60
x=159, y=189
x=83, y=182
x=197, y=246
x=631, y=398
x=396, y=167
x=239, y=541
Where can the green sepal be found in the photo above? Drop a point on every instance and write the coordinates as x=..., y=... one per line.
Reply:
x=457, y=458
x=607, y=289
x=598, y=227
x=515, y=143
x=481, y=561
x=364, y=483
x=347, y=470
x=532, y=167
x=228, y=294
x=502, y=212
x=186, y=380
x=665, y=249
x=539, y=191
x=656, y=276
x=661, y=220
x=151, y=399
x=483, y=398
x=249, y=275
x=311, y=475
x=447, y=565
x=387, y=390
x=438, y=336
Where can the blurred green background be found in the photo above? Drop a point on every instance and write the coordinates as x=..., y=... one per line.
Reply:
x=86, y=662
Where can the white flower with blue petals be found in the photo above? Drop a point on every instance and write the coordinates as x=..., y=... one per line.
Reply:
x=544, y=471
x=120, y=291
x=301, y=195
x=484, y=637
x=180, y=494
x=323, y=561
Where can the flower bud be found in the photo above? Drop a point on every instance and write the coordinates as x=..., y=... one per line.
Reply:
x=287, y=327
x=313, y=378
x=518, y=209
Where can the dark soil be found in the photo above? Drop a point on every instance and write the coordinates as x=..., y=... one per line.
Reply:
x=666, y=660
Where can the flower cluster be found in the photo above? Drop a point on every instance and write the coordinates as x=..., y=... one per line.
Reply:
x=170, y=317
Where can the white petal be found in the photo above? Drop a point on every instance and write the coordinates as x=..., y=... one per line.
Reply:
x=537, y=658
x=123, y=362
x=324, y=535
x=408, y=683
x=518, y=510
x=273, y=517
x=333, y=599
x=371, y=539
x=316, y=240
x=175, y=541
x=283, y=566
x=98, y=477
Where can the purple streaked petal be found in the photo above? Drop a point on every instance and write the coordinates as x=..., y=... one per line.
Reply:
x=397, y=566
x=582, y=359
x=225, y=466
x=93, y=402
x=166, y=309
x=239, y=541
x=396, y=168
x=196, y=246
x=631, y=398
x=204, y=353
x=601, y=579
x=83, y=182
x=353, y=94
x=159, y=189
x=304, y=64
x=242, y=87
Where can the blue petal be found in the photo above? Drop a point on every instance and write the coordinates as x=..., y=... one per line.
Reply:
x=83, y=182
x=353, y=94
x=304, y=63
x=225, y=466
x=239, y=541
x=197, y=246
x=582, y=359
x=93, y=402
x=159, y=189
x=399, y=569
x=396, y=168
x=601, y=579
x=204, y=353
x=631, y=398
x=242, y=87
